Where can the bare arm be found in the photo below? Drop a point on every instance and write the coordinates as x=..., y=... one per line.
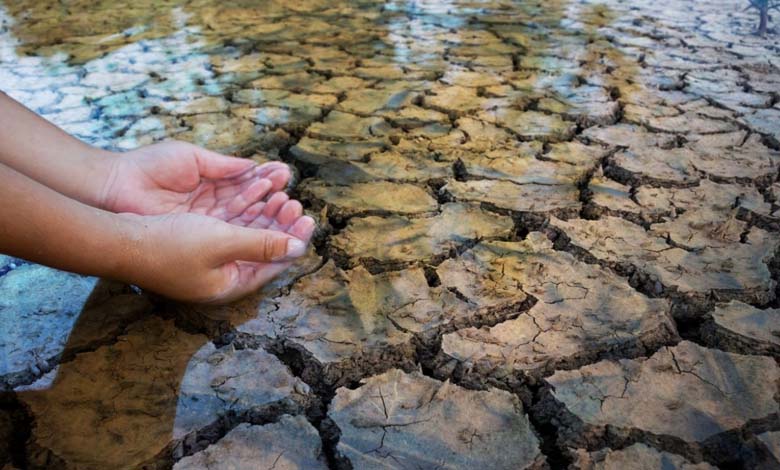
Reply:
x=183, y=256
x=45, y=153
x=44, y=226
x=152, y=180
x=201, y=222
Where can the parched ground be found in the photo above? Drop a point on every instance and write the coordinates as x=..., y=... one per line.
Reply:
x=550, y=238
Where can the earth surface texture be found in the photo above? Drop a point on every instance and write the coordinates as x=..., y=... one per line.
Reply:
x=549, y=237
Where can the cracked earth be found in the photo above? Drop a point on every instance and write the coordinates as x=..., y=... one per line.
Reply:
x=549, y=238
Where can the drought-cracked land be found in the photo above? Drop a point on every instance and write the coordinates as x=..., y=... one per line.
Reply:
x=549, y=237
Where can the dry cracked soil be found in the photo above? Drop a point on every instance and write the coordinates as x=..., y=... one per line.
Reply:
x=549, y=237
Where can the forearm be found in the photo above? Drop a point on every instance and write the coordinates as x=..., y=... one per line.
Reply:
x=45, y=153
x=41, y=225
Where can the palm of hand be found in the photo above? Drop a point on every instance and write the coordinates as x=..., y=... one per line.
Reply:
x=278, y=213
x=232, y=278
x=176, y=177
x=281, y=214
x=179, y=178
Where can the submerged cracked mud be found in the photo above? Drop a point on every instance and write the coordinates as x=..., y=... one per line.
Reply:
x=550, y=238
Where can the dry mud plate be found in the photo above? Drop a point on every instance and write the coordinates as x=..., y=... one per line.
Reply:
x=548, y=238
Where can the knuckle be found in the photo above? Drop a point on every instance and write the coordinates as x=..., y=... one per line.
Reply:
x=273, y=246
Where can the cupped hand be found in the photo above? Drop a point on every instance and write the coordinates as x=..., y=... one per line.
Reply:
x=192, y=257
x=214, y=228
x=177, y=177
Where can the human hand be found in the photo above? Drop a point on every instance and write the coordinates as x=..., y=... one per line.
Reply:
x=192, y=257
x=178, y=177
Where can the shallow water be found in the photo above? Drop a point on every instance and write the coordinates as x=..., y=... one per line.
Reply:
x=442, y=146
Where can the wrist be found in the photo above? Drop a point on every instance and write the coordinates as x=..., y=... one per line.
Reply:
x=103, y=170
x=130, y=247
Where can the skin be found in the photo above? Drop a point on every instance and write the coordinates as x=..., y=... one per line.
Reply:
x=173, y=218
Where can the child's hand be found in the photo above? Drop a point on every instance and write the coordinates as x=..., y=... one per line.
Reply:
x=210, y=231
x=192, y=257
x=177, y=177
x=179, y=220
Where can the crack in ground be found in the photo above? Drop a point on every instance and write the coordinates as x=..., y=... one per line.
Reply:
x=737, y=448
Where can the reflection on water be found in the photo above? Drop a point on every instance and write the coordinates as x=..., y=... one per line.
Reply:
x=341, y=82
x=238, y=77
x=86, y=30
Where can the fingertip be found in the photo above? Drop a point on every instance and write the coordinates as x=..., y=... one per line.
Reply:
x=280, y=178
x=303, y=228
x=309, y=225
x=259, y=188
x=289, y=213
x=279, y=198
x=296, y=248
x=267, y=168
x=275, y=203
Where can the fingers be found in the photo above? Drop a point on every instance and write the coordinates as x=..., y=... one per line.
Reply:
x=264, y=169
x=287, y=215
x=227, y=202
x=230, y=187
x=214, y=165
x=303, y=228
x=249, y=215
x=277, y=172
x=253, y=276
x=258, y=245
x=268, y=212
x=280, y=177
x=253, y=193
x=234, y=196
x=279, y=213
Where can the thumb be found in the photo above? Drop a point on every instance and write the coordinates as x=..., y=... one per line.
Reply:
x=259, y=245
